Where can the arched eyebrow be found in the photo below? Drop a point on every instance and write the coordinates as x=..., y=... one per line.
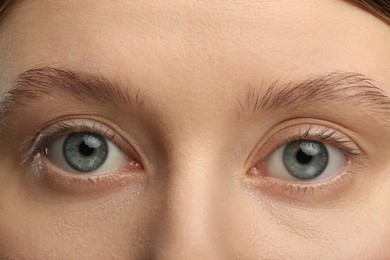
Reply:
x=34, y=84
x=353, y=89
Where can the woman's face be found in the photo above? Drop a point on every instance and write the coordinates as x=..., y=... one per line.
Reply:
x=188, y=130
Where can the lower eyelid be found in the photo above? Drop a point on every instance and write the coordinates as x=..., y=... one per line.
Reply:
x=305, y=194
x=62, y=181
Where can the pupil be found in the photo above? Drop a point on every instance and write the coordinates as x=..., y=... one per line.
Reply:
x=303, y=158
x=85, y=150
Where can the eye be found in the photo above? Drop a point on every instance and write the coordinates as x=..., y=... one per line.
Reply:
x=85, y=153
x=304, y=160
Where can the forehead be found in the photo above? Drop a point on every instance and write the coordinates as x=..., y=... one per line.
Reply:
x=194, y=39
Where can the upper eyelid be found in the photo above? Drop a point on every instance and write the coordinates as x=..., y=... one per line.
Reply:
x=330, y=137
x=311, y=132
x=55, y=130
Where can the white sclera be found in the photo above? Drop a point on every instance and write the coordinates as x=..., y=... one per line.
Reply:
x=115, y=157
x=275, y=167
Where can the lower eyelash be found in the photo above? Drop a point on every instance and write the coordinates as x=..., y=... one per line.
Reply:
x=303, y=193
x=74, y=184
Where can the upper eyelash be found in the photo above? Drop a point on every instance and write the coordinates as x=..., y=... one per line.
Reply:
x=328, y=136
x=62, y=128
x=67, y=128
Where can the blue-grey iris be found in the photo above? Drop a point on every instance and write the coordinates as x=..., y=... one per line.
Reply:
x=305, y=160
x=85, y=152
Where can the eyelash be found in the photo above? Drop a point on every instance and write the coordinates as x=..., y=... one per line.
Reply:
x=296, y=189
x=328, y=136
x=308, y=132
x=37, y=162
x=63, y=128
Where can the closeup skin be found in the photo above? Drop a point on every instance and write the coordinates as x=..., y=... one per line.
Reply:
x=198, y=188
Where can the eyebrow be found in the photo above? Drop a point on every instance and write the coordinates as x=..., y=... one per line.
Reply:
x=354, y=89
x=349, y=88
x=48, y=81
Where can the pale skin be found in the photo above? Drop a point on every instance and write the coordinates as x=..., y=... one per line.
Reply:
x=195, y=191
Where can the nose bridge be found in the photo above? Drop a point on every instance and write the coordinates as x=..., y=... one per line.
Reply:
x=194, y=208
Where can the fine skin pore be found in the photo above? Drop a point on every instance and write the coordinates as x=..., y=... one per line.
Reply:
x=198, y=96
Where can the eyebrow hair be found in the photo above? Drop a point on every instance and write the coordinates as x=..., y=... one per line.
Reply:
x=341, y=87
x=47, y=81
